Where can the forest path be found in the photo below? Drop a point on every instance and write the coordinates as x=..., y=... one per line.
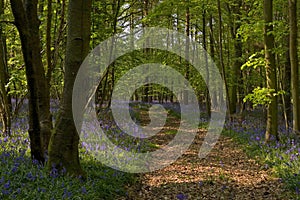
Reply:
x=226, y=173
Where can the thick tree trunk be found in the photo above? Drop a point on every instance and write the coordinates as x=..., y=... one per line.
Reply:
x=43, y=93
x=63, y=149
x=27, y=23
x=238, y=52
x=294, y=65
x=272, y=111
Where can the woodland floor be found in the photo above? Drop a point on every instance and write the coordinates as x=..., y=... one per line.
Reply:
x=226, y=173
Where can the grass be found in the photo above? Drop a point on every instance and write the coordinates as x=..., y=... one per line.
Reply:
x=22, y=178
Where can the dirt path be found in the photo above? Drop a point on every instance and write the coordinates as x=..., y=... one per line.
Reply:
x=226, y=173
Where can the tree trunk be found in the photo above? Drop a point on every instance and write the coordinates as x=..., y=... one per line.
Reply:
x=207, y=97
x=222, y=59
x=238, y=52
x=46, y=117
x=27, y=23
x=187, y=46
x=5, y=113
x=272, y=110
x=43, y=89
x=63, y=149
x=286, y=85
x=146, y=51
x=213, y=100
x=116, y=10
x=294, y=65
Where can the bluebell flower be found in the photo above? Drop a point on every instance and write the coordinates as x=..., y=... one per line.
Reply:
x=200, y=183
x=224, y=187
x=42, y=190
x=54, y=172
x=35, y=162
x=292, y=157
x=222, y=164
x=30, y=176
x=6, y=154
x=83, y=190
x=67, y=194
x=14, y=169
x=5, y=192
x=7, y=185
x=297, y=190
x=181, y=196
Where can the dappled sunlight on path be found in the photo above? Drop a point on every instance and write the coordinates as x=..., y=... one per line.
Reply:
x=226, y=173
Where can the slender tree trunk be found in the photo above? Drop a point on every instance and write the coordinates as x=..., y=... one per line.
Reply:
x=211, y=38
x=272, y=110
x=284, y=103
x=212, y=55
x=63, y=149
x=221, y=56
x=207, y=98
x=5, y=113
x=294, y=64
x=286, y=85
x=146, y=50
x=116, y=11
x=187, y=56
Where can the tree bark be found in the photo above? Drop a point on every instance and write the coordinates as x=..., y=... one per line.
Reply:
x=187, y=56
x=272, y=109
x=235, y=72
x=5, y=113
x=222, y=59
x=63, y=149
x=207, y=97
x=294, y=65
x=27, y=23
x=146, y=89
